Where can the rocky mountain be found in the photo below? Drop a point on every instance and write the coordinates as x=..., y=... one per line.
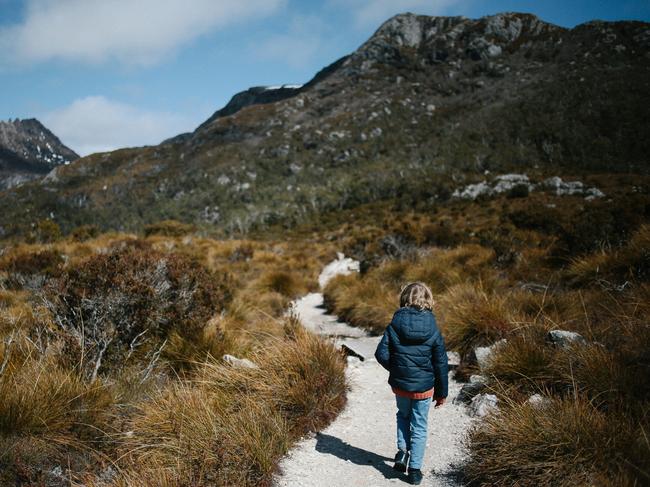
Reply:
x=421, y=109
x=28, y=151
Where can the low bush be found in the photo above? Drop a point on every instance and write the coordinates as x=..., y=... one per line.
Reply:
x=286, y=283
x=537, y=217
x=440, y=234
x=125, y=304
x=28, y=268
x=602, y=225
x=45, y=231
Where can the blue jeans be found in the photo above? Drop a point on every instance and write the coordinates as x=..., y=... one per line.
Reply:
x=412, y=417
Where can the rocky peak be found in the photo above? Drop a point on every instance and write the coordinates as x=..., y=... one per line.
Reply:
x=28, y=150
x=439, y=39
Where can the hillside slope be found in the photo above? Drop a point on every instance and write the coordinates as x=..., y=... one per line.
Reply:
x=425, y=105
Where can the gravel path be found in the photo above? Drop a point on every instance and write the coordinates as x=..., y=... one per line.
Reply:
x=358, y=447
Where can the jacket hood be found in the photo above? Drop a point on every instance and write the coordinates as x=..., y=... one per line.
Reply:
x=413, y=326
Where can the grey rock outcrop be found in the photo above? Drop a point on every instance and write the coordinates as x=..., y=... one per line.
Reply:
x=538, y=401
x=475, y=385
x=453, y=360
x=483, y=404
x=483, y=355
x=239, y=362
x=564, y=338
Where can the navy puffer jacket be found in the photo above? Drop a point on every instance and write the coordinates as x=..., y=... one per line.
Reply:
x=413, y=351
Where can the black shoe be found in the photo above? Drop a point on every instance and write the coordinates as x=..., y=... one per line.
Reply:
x=415, y=476
x=401, y=460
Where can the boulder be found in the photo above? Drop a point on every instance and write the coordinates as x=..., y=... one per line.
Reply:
x=564, y=338
x=483, y=355
x=482, y=405
x=239, y=362
x=453, y=360
x=475, y=385
x=538, y=401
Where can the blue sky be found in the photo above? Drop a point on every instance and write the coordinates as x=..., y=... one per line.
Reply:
x=103, y=74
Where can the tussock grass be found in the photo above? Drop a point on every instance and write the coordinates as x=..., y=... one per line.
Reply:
x=595, y=430
x=231, y=425
x=40, y=398
x=471, y=316
x=370, y=300
x=616, y=269
x=567, y=442
x=171, y=413
x=367, y=303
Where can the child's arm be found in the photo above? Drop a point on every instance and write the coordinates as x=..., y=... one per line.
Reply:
x=382, y=354
x=440, y=367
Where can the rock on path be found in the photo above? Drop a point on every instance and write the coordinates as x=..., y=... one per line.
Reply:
x=357, y=449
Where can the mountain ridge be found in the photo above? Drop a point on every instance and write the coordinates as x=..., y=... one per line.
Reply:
x=424, y=106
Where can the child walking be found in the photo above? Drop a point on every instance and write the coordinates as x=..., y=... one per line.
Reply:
x=413, y=351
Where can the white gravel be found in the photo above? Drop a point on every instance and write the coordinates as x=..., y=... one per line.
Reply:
x=358, y=447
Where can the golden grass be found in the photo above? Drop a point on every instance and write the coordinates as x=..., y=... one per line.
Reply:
x=617, y=269
x=42, y=399
x=49, y=410
x=567, y=442
x=230, y=425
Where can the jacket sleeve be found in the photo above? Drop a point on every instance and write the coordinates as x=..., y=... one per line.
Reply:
x=440, y=367
x=382, y=354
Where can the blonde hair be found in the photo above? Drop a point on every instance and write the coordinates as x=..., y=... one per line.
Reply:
x=416, y=295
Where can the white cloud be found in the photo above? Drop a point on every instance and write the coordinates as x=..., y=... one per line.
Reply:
x=97, y=124
x=131, y=31
x=374, y=12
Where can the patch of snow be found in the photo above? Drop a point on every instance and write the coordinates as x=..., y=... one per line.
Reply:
x=279, y=87
x=341, y=266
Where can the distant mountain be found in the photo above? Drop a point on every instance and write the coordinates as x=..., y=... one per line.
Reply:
x=28, y=151
x=421, y=108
